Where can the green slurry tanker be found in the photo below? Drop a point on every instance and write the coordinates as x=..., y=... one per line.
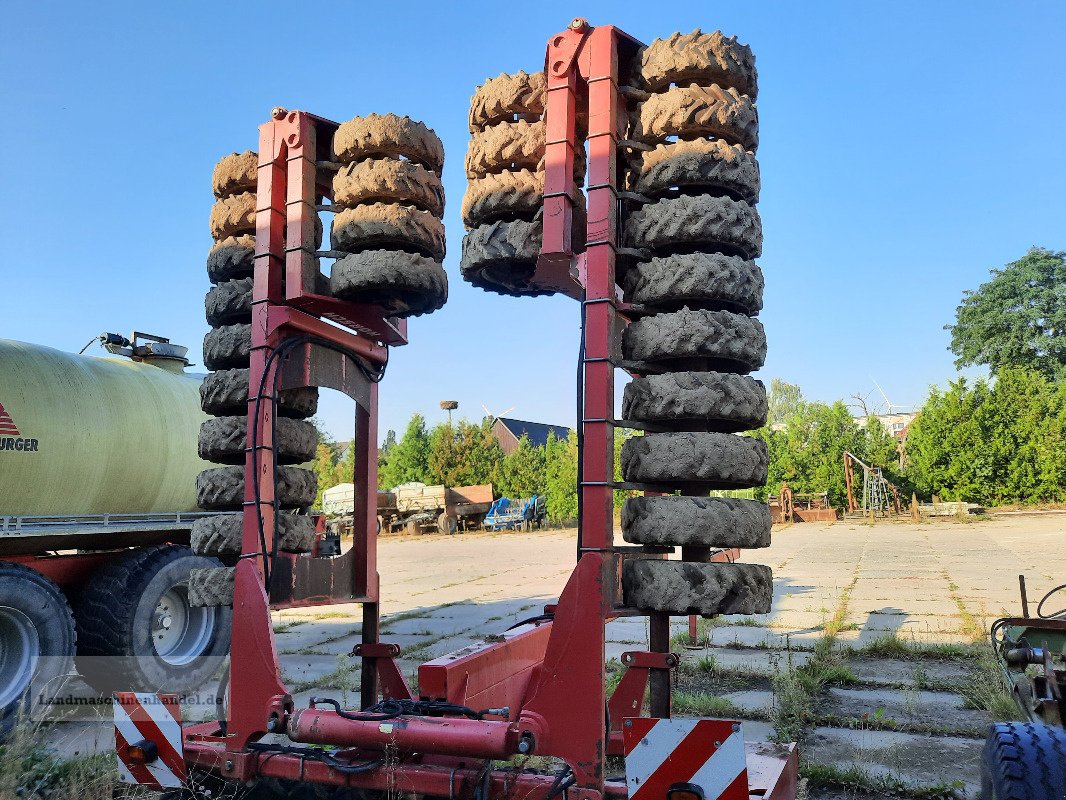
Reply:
x=98, y=463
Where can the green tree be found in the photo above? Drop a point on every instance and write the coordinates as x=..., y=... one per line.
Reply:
x=408, y=461
x=1016, y=319
x=784, y=400
x=464, y=454
x=522, y=471
x=560, y=477
x=325, y=469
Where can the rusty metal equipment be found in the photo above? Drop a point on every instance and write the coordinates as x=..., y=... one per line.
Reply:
x=540, y=688
x=879, y=495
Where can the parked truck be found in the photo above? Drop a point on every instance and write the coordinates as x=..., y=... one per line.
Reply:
x=415, y=507
x=98, y=461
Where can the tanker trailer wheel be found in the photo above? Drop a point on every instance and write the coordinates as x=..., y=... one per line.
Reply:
x=137, y=630
x=36, y=640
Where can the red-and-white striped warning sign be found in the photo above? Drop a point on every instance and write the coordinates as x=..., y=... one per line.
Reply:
x=706, y=752
x=155, y=718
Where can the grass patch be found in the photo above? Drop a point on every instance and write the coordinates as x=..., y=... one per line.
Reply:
x=344, y=677
x=704, y=625
x=701, y=704
x=288, y=625
x=892, y=645
x=747, y=622
x=855, y=778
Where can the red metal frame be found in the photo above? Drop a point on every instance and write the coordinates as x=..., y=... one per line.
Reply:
x=550, y=676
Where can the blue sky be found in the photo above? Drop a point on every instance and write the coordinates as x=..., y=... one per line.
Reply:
x=906, y=149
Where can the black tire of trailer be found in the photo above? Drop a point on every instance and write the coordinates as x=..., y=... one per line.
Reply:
x=1024, y=761
x=34, y=610
x=124, y=617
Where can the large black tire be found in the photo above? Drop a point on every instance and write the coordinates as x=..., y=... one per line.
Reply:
x=696, y=521
x=220, y=535
x=1024, y=761
x=503, y=196
x=711, y=460
x=681, y=587
x=233, y=216
x=211, y=587
x=387, y=226
x=388, y=180
x=229, y=302
x=228, y=347
x=698, y=57
x=694, y=111
x=699, y=340
x=502, y=256
x=507, y=146
x=225, y=393
x=224, y=440
x=233, y=257
x=696, y=280
x=697, y=401
x=403, y=284
x=36, y=642
x=235, y=173
x=709, y=165
x=222, y=488
x=505, y=98
x=388, y=135
x=137, y=630
x=697, y=223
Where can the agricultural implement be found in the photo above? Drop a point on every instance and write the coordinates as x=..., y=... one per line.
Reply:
x=520, y=514
x=540, y=688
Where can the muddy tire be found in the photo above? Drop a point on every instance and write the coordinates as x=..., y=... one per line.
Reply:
x=233, y=257
x=693, y=111
x=501, y=257
x=388, y=135
x=503, y=196
x=222, y=488
x=387, y=225
x=233, y=216
x=229, y=302
x=505, y=97
x=225, y=393
x=211, y=587
x=1023, y=761
x=698, y=57
x=388, y=180
x=696, y=401
x=223, y=440
x=702, y=164
x=697, y=223
x=696, y=280
x=507, y=146
x=680, y=588
x=228, y=347
x=403, y=284
x=697, y=340
x=235, y=174
x=711, y=460
x=220, y=535
x=696, y=521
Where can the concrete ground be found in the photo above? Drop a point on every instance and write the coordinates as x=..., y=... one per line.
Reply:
x=899, y=604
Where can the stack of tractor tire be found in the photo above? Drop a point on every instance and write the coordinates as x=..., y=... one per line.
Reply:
x=505, y=173
x=697, y=339
x=389, y=202
x=224, y=395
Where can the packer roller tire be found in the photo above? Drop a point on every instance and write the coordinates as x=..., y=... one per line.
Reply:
x=225, y=393
x=506, y=97
x=708, y=281
x=698, y=165
x=224, y=440
x=698, y=57
x=680, y=588
x=388, y=180
x=512, y=146
x=672, y=521
x=233, y=257
x=504, y=196
x=388, y=135
x=695, y=340
x=229, y=302
x=696, y=401
x=502, y=256
x=388, y=225
x=694, y=223
x=211, y=587
x=688, y=112
x=220, y=535
x=235, y=174
x=233, y=216
x=709, y=460
x=403, y=284
x=222, y=488
x=228, y=347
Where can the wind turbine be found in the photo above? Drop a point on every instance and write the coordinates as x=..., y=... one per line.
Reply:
x=888, y=403
x=496, y=416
